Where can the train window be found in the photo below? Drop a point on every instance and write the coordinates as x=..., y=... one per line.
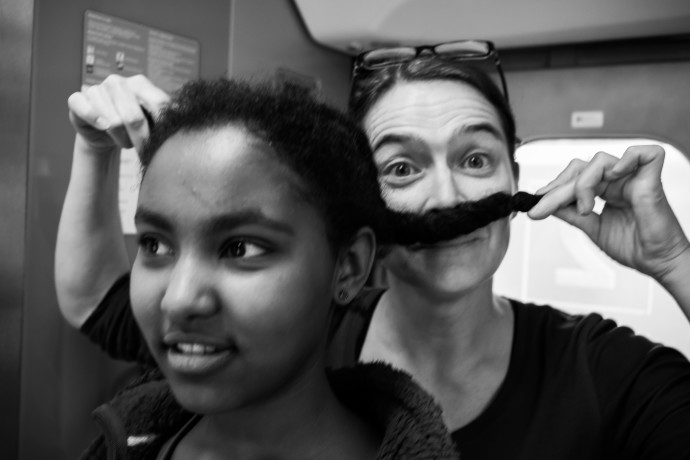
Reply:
x=550, y=262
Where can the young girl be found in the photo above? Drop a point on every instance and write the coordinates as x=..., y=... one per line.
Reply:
x=256, y=212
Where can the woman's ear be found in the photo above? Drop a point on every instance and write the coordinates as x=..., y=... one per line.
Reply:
x=353, y=266
x=516, y=175
x=516, y=181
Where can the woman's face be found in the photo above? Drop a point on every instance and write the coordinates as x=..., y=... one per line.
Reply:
x=438, y=143
x=234, y=275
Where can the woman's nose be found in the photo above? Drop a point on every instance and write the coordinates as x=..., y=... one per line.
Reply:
x=190, y=292
x=446, y=192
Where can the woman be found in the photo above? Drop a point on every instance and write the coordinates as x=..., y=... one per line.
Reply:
x=247, y=234
x=517, y=380
x=512, y=379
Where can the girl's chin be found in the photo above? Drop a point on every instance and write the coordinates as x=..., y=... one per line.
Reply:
x=203, y=400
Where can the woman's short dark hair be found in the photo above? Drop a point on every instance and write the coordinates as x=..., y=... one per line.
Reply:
x=368, y=88
x=325, y=148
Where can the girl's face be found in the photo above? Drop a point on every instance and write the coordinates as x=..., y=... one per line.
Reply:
x=438, y=143
x=234, y=275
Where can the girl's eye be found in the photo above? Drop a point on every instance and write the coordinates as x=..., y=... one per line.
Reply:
x=153, y=246
x=243, y=249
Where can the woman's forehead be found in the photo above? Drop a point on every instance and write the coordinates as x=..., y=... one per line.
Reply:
x=432, y=106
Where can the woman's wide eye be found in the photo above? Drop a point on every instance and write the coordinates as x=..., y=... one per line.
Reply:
x=400, y=172
x=243, y=249
x=476, y=161
x=401, y=169
x=153, y=246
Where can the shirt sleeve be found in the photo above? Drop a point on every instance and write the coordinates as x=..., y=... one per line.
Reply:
x=113, y=328
x=644, y=391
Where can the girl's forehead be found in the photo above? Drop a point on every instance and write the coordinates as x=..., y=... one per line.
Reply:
x=217, y=169
x=209, y=152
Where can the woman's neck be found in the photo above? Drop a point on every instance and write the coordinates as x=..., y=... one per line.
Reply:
x=458, y=350
x=413, y=330
x=432, y=320
x=304, y=421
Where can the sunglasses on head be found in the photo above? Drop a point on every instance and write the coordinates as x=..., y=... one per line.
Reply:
x=457, y=51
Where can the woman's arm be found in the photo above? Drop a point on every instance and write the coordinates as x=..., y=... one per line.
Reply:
x=90, y=252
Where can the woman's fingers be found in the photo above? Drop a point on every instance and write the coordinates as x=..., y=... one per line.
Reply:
x=115, y=108
x=643, y=161
x=132, y=127
x=151, y=97
x=588, y=223
x=559, y=192
x=96, y=120
x=591, y=181
x=83, y=113
x=131, y=97
x=571, y=171
x=579, y=184
x=559, y=197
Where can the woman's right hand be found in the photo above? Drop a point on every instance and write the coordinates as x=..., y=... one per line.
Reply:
x=636, y=226
x=109, y=116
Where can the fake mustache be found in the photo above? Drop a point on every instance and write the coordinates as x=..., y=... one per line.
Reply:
x=443, y=224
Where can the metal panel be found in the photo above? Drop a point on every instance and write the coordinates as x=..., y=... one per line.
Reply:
x=636, y=100
x=16, y=28
x=63, y=376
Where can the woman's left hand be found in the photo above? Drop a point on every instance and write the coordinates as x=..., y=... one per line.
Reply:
x=637, y=226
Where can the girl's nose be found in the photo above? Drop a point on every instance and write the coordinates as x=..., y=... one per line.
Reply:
x=190, y=292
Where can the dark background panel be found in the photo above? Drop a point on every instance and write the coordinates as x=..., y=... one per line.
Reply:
x=16, y=17
x=64, y=377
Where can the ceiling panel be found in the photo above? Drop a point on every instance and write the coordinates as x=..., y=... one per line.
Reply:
x=353, y=25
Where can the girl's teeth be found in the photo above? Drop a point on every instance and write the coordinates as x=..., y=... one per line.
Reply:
x=195, y=348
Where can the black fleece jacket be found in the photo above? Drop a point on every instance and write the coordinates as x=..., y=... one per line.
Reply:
x=139, y=420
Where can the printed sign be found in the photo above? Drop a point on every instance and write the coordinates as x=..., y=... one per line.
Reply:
x=113, y=45
x=116, y=46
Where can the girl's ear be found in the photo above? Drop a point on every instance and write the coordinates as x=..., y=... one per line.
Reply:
x=353, y=266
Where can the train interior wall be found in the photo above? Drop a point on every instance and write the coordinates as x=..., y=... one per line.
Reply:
x=636, y=99
x=268, y=36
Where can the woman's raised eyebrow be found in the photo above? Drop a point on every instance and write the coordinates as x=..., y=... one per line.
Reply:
x=480, y=128
x=393, y=139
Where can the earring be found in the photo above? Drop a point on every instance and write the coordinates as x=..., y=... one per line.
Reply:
x=343, y=295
